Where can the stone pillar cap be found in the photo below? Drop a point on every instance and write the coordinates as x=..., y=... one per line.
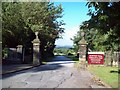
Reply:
x=82, y=41
x=36, y=40
x=19, y=45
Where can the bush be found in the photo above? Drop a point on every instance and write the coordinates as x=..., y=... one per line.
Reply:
x=70, y=54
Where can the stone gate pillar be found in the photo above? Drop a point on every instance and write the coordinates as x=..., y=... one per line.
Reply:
x=19, y=50
x=82, y=48
x=36, y=50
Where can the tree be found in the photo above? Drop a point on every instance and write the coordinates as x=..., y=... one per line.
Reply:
x=29, y=18
x=102, y=30
x=14, y=27
x=75, y=40
x=105, y=18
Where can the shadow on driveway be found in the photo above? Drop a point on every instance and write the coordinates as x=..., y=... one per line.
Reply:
x=34, y=69
x=56, y=63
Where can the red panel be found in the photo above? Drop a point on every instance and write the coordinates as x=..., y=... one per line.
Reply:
x=95, y=59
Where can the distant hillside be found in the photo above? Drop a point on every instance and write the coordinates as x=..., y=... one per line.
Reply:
x=64, y=47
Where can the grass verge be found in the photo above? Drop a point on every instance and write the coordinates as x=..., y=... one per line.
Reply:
x=109, y=75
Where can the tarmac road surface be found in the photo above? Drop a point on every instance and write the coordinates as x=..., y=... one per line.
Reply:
x=60, y=73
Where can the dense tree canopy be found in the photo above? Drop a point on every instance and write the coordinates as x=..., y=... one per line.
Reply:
x=21, y=19
x=103, y=29
x=15, y=31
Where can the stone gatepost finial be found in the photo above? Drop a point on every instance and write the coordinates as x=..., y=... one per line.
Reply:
x=36, y=33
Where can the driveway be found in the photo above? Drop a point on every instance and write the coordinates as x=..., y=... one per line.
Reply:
x=59, y=73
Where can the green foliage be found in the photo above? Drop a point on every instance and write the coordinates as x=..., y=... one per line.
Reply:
x=102, y=31
x=63, y=51
x=105, y=18
x=5, y=53
x=75, y=40
x=22, y=19
x=14, y=27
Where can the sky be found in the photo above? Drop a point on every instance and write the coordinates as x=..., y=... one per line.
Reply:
x=73, y=15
